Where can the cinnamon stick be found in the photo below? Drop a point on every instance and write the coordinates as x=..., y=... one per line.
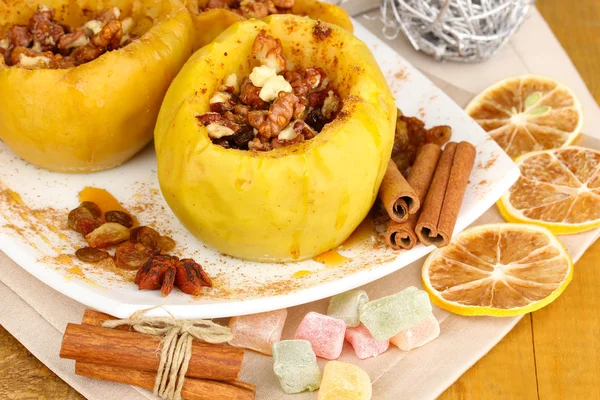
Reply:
x=396, y=195
x=442, y=204
x=112, y=347
x=193, y=389
x=402, y=235
x=97, y=318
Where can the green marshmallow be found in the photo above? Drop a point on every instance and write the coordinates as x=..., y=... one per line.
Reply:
x=346, y=306
x=387, y=316
x=295, y=364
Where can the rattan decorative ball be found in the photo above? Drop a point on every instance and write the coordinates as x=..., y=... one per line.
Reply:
x=456, y=30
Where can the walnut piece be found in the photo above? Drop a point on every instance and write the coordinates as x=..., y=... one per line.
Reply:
x=268, y=51
x=284, y=3
x=222, y=101
x=109, y=38
x=250, y=95
x=19, y=36
x=217, y=125
x=257, y=9
x=46, y=35
x=270, y=98
x=72, y=40
x=47, y=43
x=270, y=123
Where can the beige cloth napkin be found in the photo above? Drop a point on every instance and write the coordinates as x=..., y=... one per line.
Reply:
x=37, y=315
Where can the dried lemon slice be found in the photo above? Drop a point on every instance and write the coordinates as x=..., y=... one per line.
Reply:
x=558, y=189
x=528, y=113
x=498, y=270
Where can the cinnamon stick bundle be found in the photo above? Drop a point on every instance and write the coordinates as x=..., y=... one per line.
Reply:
x=112, y=347
x=442, y=204
x=193, y=389
x=402, y=235
x=396, y=195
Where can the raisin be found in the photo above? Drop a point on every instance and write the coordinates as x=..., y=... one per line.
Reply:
x=107, y=234
x=119, y=217
x=315, y=120
x=166, y=244
x=88, y=225
x=243, y=137
x=92, y=207
x=131, y=255
x=77, y=214
x=146, y=236
x=91, y=255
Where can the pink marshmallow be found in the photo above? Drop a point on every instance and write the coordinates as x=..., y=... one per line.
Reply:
x=422, y=333
x=364, y=344
x=326, y=334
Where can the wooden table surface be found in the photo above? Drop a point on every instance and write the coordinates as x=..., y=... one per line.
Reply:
x=553, y=353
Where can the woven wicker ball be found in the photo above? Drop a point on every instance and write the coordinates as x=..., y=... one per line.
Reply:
x=457, y=30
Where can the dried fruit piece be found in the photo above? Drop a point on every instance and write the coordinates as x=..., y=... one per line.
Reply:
x=107, y=234
x=166, y=244
x=499, y=270
x=190, y=277
x=87, y=225
x=528, y=113
x=164, y=272
x=92, y=255
x=131, y=255
x=146, y=236
x=168, y=282
x=92, y=208
x=119, y=217
x=77, y=214
x=152, y=275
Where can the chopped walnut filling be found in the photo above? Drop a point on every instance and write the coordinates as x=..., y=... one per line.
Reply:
x=272, y=107
x=46, y=43
x=253, y=8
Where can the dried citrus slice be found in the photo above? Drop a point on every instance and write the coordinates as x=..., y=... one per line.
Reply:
x=498, y=270
x=558, y=189
x=528, y=113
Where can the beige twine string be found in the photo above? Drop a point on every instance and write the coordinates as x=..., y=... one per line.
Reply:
x=176, y=345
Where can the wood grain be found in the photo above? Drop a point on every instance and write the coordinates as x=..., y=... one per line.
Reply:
x=506, y=372
x=566, y=334
x=576, y=24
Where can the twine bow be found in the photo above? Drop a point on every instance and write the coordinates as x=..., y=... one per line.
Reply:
x=176, y=345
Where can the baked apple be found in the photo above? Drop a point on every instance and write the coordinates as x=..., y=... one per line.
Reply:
x=81, y=81
x=273, y=140
x=211, y=17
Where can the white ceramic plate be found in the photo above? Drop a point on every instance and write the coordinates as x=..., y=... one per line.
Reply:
x=34, y=204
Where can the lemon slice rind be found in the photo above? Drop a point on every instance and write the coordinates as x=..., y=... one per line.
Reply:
x=573, y=136
x=511, y=214
x=470, y=310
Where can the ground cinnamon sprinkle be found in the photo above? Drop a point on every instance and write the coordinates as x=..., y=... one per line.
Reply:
x=321, y=31
x=488, y=164
x=231, y=281
x=401, y=76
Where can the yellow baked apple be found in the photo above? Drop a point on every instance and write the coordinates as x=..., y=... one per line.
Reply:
x=96, y=115
x=210, y=22
x=289, y=203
